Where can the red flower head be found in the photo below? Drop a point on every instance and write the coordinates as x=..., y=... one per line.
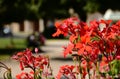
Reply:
x=28, y=60
x=66, y=71
x=24, y=75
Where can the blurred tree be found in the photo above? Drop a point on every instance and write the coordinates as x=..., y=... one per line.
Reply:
x=101, y=5
x=109, y=4
x=53, y=8
x=60, y=8
x=91, y=6
x=32, y=7
x=17, y=10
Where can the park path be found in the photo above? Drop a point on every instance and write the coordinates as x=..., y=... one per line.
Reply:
x=53, y=48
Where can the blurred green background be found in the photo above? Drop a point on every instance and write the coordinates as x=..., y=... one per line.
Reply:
x=7, y=49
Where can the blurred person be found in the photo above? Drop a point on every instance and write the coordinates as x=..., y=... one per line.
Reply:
x=33, y=42
x=41, y=39
x=50, y=29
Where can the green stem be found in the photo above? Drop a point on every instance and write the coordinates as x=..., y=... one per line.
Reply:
x=80, y=67
x=74, y=59
x=88, y=70
x=35, y=75
x=110, y=67
x=97, y=67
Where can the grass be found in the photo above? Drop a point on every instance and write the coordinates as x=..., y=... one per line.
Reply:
x=7, y=48
x=3, y=57
x=17, y=42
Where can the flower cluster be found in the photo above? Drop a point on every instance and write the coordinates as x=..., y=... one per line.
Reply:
x=39, y=65
x=94, y=47
x=66, y=72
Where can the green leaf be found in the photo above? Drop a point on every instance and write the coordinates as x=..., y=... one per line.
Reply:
x=95, y=39
x=115, y=67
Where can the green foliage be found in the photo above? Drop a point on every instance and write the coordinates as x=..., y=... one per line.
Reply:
x=115, y=67
x=91, y=6
x=95, y=39
x=18, y=10
x=7, y=49
x=18, y=43
x=63, y=1
x=4, y=57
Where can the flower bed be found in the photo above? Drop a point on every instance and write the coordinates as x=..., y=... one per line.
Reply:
x=95, y=52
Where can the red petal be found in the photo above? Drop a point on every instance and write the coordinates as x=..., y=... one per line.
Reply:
x=88, y=48
x=21, y=66
x=57, y=33
x=80, y=51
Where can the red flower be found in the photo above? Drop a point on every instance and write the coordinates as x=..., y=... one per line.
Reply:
x=85, y=39
x=57, y=33
x=24, y=75
x=104, y=65
x=61, y=29
x=28, y=60
x=73, y=38
x=68, y=26
x=67, y=71
x=83, y=48
x=68, y=49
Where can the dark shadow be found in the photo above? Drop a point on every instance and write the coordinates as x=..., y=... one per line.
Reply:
x=10, y=51
x=50, y=31
x=62, y=59
x=57, y=45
